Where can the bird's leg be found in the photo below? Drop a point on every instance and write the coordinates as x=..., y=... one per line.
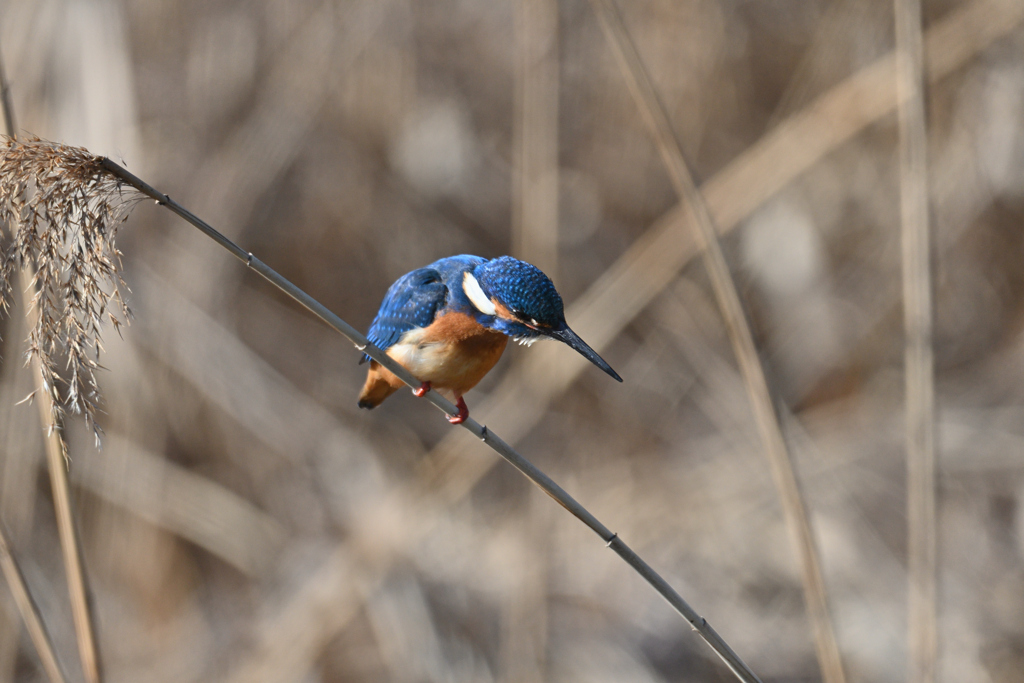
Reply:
x=422, y=391
x=463, y=412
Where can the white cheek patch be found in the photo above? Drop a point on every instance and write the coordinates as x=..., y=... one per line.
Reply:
x=476, y=295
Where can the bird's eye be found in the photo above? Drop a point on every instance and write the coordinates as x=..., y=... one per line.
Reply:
x=524, y=318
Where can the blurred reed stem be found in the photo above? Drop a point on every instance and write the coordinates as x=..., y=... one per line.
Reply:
x=656, y=118
x=57, y=461
x=29, y=611
x=732, y=660
x=535, y=135
x=922, y=570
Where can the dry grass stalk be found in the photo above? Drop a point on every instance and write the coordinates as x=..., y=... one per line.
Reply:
x=57, y=460
x=922, y=631
x=742, y=338
x=29, y=611
x=21, y=199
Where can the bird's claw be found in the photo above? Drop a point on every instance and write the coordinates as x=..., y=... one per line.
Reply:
x=422, y=391
x=463, y=412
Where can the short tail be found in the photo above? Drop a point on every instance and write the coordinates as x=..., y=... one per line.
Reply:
x=380, y=383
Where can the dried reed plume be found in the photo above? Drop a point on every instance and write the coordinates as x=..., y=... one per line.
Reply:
x=62, y=210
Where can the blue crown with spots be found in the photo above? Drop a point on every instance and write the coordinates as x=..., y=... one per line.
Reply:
x=522, y=288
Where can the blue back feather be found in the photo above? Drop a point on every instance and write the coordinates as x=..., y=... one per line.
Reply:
x=411, y=302
x=415, y=299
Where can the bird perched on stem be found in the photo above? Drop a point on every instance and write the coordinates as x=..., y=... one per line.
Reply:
x=448, y=324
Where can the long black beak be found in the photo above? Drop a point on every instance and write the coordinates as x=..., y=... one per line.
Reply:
x=572, y=339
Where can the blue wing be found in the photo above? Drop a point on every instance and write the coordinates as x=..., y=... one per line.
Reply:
x=452, y=267
x=411, y=302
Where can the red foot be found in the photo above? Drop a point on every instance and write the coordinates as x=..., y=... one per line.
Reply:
x=422, y=391
x=463, y=412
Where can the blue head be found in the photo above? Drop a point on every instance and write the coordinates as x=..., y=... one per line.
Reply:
x=516, y=298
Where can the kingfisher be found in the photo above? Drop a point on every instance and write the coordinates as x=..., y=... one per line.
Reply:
x=449, y=322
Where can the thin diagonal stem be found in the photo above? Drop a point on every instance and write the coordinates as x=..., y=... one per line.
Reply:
x=732, y=660
x=57, y=460
x=29, y=611
x=922, y=563
x=657, y=121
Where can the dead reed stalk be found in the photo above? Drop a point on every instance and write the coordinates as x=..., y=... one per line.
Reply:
x=29, y=611
x=765, y=415
x=58, y=260
x=922, y=569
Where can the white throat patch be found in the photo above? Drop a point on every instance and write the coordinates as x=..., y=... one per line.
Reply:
x=476, y=295
x=526, y=341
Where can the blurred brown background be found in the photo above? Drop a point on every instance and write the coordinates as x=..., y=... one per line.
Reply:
x=245, y=522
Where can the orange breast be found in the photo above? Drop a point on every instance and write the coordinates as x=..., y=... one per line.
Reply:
x=454, y=352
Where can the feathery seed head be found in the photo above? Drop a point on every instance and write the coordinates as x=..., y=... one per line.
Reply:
x=61, y=210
